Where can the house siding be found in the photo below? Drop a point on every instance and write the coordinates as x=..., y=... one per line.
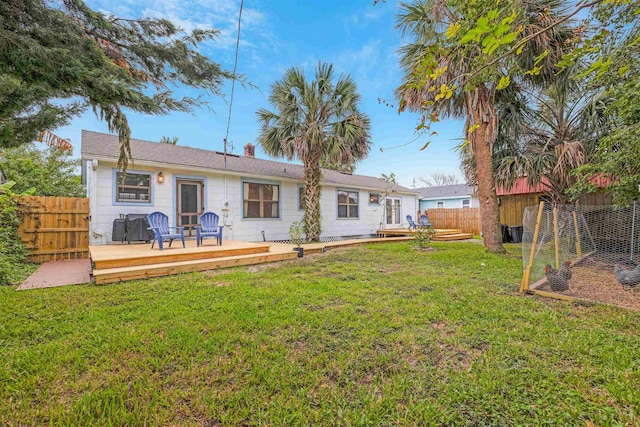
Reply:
x=104, y=210
x=449, y=203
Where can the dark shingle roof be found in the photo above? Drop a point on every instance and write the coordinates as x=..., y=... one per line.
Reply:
x=455, y=190
x=95, y=144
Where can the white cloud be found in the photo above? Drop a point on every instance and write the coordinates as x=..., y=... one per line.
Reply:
x=221, y=15
x=374, y=13
x=370, y=13
x=362, y=61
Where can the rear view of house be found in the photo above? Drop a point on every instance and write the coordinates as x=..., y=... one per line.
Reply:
x=256, y=199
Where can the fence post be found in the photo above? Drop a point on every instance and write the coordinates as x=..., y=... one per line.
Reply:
x=555, y=235
x=578, y=245
x=526, y=277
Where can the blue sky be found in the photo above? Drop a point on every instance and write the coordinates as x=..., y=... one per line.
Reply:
x=355, y=36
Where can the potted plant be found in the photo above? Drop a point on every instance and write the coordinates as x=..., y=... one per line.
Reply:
x=295, y=233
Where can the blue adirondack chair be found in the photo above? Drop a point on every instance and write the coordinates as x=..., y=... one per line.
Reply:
x=159, y=223
x=412, y=224
x=424, y=221
x=209, y=228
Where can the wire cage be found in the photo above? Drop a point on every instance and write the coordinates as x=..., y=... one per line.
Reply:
x=601, y=243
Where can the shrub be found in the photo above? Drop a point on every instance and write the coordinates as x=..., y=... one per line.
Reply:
x=422, y=237
x=13, y=253
x=296, y=232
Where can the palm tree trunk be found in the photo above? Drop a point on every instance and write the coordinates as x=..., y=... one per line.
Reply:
x=312, y=217
x=483, y=114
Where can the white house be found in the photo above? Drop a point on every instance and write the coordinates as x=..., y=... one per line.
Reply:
x=256, y=199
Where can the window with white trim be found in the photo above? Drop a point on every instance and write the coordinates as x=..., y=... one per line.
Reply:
x=440, y=205
x=261, y=200
x=466, y=203
x=348, y=204
x=136, y=187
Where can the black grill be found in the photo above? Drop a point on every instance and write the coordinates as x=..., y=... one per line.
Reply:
x=133, y=228
x=137, y=228
x=118, y=230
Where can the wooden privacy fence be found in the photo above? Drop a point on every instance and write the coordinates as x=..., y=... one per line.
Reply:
x=54, y=228
x=512, y=206
x=465, y=219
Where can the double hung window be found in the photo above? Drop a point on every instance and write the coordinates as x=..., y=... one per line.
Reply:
x=261, y=200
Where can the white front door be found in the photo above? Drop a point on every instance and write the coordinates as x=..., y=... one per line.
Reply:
x=392, y=213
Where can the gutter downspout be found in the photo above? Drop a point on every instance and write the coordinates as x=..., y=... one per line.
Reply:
x=92, y=173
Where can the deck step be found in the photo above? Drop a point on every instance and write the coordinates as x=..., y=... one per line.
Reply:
x=447, y=231
x=112, y=275
x=110, y=257
x=456, y=236
x=406, y=232
x=316, y=248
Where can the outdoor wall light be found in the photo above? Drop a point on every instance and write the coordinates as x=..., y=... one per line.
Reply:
x=160, y=178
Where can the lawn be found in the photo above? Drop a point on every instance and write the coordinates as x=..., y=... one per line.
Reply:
x=373, y=335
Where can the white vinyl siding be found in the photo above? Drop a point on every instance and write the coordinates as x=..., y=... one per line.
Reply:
x=224, y=196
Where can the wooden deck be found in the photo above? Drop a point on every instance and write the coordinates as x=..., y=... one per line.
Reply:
x=441, y=234
x=120, y=262
x=124, y=255
x=116, y=263
x=316, y=248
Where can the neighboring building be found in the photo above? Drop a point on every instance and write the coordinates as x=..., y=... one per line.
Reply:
x=516, y=199
x=256, y=199
x=448, y=196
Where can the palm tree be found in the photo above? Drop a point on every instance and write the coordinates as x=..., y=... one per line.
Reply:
x=557, y=134
x=171, y=140
x=314, y=122
x=427, y=22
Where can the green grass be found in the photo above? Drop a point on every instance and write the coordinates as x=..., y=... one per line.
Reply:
x=374, y=335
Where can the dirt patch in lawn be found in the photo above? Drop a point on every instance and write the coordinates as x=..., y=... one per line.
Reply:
x=597, y=282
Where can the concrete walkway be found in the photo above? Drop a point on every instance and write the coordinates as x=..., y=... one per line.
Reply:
x=58, y=273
